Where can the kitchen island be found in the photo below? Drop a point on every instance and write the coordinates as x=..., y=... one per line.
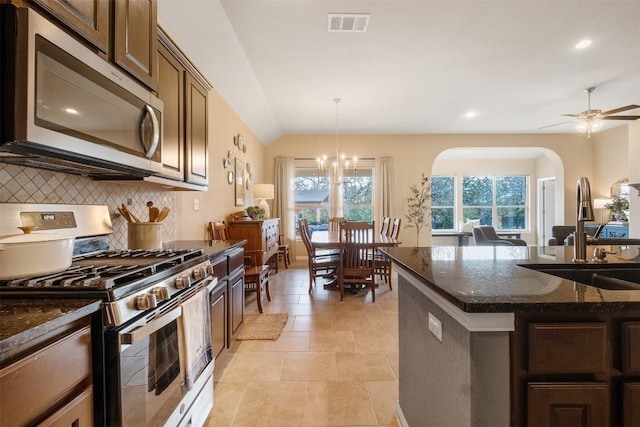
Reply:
x=486, y=341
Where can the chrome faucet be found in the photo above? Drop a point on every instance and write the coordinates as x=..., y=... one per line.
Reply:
x=585, y=213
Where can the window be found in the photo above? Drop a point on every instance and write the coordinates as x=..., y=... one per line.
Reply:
x=311, y=197
x=442, y=202
x=500, y=201
x=358, y=194
x=313, y=193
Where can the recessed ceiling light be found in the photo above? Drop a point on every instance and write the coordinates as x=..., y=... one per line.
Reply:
x=583, y=44
x=470, y=114
x=71, y=111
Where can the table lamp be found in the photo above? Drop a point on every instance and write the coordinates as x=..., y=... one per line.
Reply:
x=263, y=192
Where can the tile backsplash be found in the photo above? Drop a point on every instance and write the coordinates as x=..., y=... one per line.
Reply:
x=28, y=185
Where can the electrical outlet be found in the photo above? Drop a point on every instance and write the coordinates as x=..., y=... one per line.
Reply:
x=129, y=201
x=196, y=204
x=435, y=326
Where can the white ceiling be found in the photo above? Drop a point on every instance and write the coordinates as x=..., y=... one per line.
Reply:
x=419, y=67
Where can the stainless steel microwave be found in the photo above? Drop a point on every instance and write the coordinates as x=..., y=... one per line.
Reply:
x=65, y=108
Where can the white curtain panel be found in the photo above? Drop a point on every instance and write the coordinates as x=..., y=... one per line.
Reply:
x=383, y=203
x=283, y=204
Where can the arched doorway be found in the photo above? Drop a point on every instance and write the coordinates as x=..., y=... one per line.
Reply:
x=542, y=165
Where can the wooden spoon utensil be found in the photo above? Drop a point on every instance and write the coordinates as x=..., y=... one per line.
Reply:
x=153, y=212
x=163, y=214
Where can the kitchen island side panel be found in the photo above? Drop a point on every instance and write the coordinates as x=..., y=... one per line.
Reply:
x=461, y=381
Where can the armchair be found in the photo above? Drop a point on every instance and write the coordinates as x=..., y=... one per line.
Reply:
x=485, y=235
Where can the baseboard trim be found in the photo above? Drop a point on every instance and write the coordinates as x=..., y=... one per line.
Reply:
x=402, y=421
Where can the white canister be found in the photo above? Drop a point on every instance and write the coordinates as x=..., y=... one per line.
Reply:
x=144, y=235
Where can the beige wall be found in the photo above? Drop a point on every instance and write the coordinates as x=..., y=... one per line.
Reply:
x=415, y=154
x=611, y=150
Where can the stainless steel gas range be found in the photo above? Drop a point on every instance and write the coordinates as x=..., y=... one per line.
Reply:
x=157, y=340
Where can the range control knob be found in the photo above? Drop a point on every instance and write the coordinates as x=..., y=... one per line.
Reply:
x=161, y=293
x=183, y=281
x=209, y=269
x=146, y=302
x=197, y=273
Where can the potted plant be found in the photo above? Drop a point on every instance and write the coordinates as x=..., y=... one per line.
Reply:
x=618, y=207
x=419, y=206
x=255, y=212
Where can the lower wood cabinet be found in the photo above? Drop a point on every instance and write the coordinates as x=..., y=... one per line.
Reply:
x=77, y=413
x=52, y=386
x=218, y=300
x=226, y=300
x=236, y=302
x=631, y=404
x=631, y=348
x=576, y=369
x=568, y=404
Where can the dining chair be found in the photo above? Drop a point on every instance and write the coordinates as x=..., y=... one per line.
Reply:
x=383, y=262
x=357, y=257
x=283, y=251
x=334, y=223
x=218, y=230
x=320, y=265
x=385, y=225
x=256, y=278
x=394, y=231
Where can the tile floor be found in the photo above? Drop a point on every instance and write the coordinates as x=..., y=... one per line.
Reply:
x=335, y=363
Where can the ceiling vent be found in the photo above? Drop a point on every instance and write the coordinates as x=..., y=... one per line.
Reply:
x=348, y=22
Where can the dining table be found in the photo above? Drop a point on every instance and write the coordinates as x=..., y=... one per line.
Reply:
x=323, y=239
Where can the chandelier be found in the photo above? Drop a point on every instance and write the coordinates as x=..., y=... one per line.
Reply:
x=341, y=163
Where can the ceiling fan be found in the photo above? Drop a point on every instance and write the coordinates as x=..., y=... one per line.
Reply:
x=590, y=120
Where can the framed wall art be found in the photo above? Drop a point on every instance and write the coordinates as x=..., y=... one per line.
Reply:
x=239, y=181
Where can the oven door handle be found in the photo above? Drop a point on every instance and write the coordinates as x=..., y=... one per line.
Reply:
x=137, y=334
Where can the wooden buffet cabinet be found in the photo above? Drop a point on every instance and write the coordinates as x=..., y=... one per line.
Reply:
x=261, y=236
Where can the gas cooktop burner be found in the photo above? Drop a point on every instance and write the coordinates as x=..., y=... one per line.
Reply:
x=110, y=269
x=141, y=253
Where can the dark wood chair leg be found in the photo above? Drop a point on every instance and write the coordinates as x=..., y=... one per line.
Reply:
x=259, y=295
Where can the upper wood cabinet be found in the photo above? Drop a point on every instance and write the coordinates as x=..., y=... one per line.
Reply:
x=196, y=132
x=184, y=92
x=88, y=18
x=129, y=38
x=171, y=92
x=134, y=42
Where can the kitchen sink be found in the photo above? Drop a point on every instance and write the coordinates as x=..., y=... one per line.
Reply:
x=610, y=277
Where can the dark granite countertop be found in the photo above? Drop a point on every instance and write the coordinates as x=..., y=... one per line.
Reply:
x=211, y=247
x=24, y=320
x=490, y=279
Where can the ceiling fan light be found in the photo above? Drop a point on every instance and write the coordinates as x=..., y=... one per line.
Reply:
x=582, y=126
x=589, y=125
